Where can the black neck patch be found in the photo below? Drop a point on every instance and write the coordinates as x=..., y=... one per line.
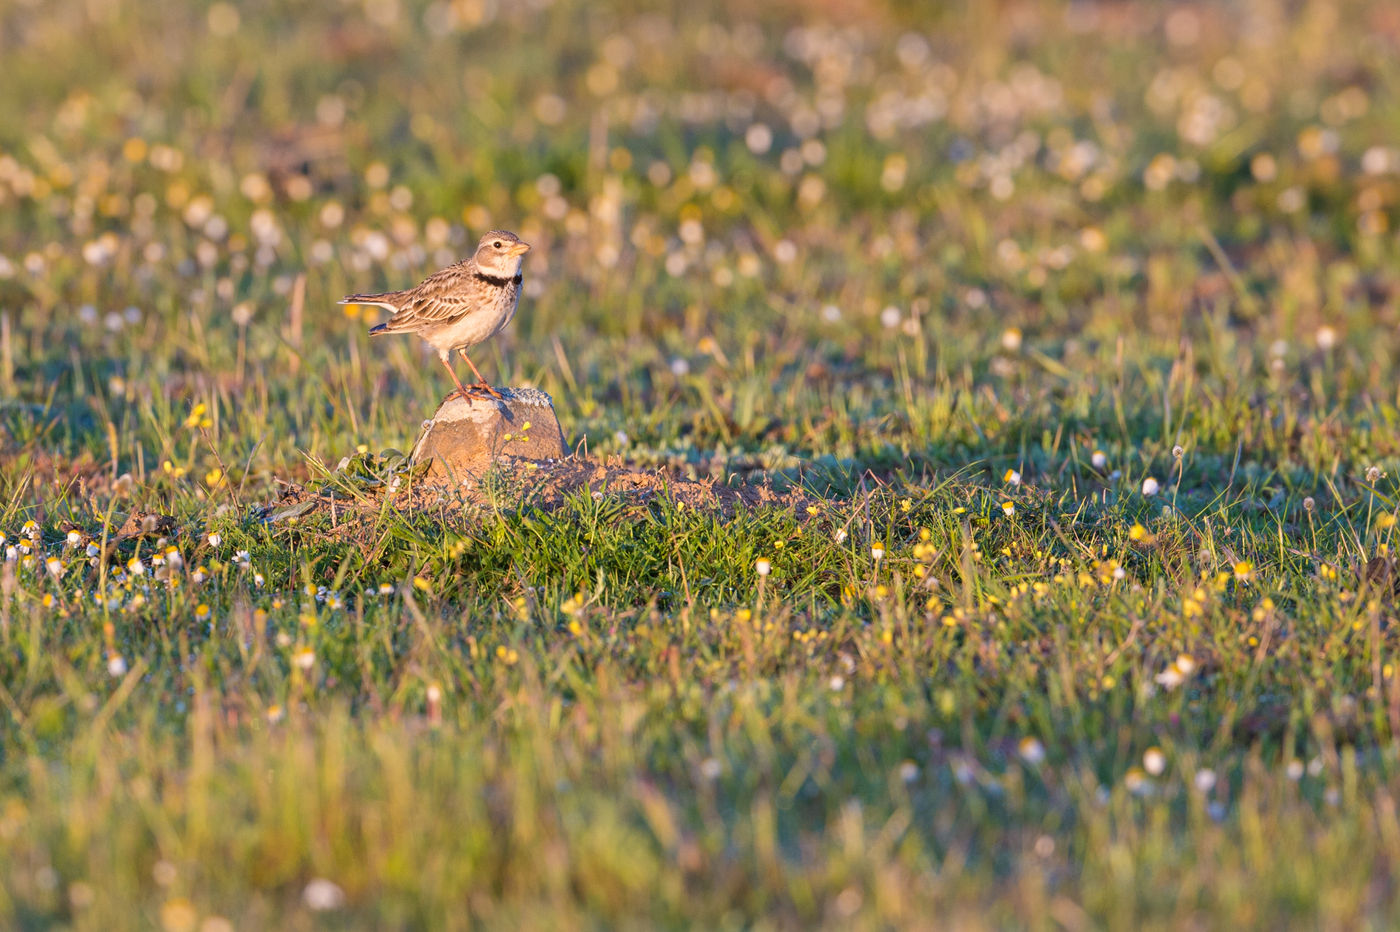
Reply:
x=500, y=281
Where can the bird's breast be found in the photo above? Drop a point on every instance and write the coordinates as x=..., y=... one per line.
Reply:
x=478, y=325
x=512, y=300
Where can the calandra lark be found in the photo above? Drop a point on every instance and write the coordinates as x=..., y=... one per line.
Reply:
x=461, y=306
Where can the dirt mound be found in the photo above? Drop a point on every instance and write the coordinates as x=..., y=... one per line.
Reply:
x=549, y=483
x=524, y=484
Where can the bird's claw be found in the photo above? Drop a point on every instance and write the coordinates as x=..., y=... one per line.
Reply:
x=475, y=393
x=484, y=388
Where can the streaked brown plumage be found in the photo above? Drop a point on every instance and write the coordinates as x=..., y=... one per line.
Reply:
x=460, y=306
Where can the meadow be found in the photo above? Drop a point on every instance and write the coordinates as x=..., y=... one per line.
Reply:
x=995, y=423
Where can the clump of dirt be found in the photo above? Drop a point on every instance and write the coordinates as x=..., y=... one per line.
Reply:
x=544, y=485
x=548, y=484
x=145, y=524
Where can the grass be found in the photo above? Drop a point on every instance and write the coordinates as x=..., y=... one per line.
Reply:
x=962, y=287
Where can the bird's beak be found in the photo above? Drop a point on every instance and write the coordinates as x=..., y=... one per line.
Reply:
x=519, y=249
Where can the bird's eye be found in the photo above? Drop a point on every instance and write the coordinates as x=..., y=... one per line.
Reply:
x=497, y=244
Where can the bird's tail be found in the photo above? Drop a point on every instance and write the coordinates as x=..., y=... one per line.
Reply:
x=388, y=300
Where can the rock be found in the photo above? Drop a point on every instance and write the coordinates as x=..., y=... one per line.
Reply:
x=464, y=438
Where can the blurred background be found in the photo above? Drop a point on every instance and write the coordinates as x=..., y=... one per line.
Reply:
x=755, y=225
x=967, y=271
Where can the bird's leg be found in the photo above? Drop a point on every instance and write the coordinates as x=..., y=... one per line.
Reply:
x=481, y=380
x=462, y=390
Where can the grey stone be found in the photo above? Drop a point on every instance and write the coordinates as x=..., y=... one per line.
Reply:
x=464, y=438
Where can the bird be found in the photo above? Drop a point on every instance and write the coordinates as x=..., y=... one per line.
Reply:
x=459, y=306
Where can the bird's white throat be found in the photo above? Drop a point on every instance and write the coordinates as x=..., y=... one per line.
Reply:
x=500, y=266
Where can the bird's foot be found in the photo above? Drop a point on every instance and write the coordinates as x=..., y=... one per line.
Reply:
x=478, y=391
x=485, y=388
x=466, y=394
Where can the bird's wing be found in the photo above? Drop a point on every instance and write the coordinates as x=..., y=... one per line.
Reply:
x=443, y=296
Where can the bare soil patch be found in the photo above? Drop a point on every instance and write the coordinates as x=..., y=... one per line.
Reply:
x=543, y=485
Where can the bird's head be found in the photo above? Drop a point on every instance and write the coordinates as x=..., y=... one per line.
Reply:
x=500, y=252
